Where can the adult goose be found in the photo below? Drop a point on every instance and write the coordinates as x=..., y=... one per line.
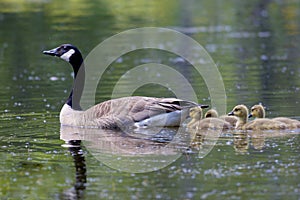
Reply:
x=258, y=111
x=115, y=113
x=241, y=111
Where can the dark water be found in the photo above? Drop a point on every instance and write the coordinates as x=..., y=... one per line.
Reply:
x=255, y=46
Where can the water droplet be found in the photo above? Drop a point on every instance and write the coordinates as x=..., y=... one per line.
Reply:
x=264, y=57
x=53, y=78
x=283, y=70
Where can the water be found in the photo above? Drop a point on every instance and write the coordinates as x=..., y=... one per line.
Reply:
x=255, y=47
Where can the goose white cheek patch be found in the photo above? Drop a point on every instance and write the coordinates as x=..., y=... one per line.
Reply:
x=66, y=56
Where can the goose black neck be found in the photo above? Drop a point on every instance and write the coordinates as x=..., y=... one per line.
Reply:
x=78, y=85
x=76, y=61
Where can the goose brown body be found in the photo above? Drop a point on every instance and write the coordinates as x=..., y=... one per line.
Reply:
x=125, y=111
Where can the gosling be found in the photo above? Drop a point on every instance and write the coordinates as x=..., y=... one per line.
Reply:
x=241, y=111
x=208, y=123
x=230, y=119
x=258, y=111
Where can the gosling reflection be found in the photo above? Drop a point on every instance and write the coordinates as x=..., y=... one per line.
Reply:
x=258, y=140
x=205, y=132
x=240, y=142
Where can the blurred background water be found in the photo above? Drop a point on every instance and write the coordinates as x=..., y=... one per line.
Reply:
x=255, y=45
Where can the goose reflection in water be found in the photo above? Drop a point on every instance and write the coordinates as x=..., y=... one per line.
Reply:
x=76, y=192
x=133, y=151
x=129, y=143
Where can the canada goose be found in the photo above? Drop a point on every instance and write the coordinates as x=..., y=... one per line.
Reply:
x=213, y=113
x=207, y=123
x=241, y=111
x=258, y=111
x=126, y=111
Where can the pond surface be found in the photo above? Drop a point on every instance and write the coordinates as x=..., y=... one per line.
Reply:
x=255, y=46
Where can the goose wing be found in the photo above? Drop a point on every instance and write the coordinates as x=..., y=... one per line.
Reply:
x=151, y=107
x=135, y=109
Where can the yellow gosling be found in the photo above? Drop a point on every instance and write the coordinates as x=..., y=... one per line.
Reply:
x=258, y=111
x=213, y=113
x=241, y=111
x=207, y=123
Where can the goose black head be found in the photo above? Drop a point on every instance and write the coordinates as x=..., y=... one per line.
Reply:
x=72, y=55
x=68, y=53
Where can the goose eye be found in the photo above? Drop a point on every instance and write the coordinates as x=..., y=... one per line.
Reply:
x=63, y=49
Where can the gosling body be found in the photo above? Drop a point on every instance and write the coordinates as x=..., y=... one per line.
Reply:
x=213, y=113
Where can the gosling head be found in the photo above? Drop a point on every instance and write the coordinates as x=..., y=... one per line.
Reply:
x=240, y=111
x=196, y=113
x=257, y=111
x=211, y=113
